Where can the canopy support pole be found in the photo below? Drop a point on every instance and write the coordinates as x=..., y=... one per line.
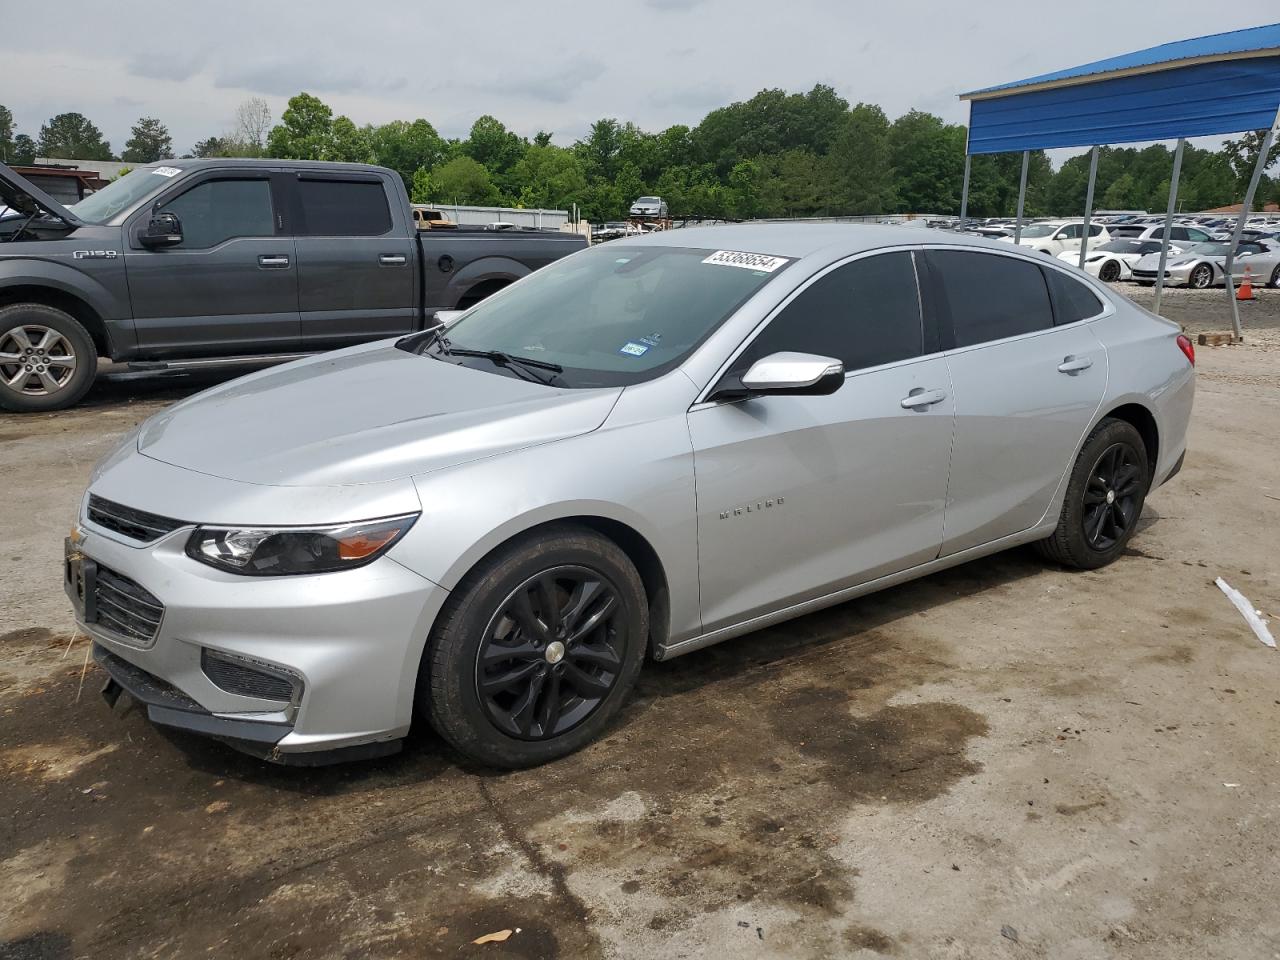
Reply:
x=1088, y=204
x=964, y=193
x=1267, y=139
x=1168, y=223
x=1022, y=197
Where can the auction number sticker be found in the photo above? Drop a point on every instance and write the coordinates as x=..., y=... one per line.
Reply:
x=748, y=261
x=166, y=171
x=632, y=349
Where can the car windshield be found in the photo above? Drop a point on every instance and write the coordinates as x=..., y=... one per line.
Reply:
x=647, y=200
x=1214, y=249
x=1128, y=246
x=121, y=194
x=1038, y=230
x=611, y=315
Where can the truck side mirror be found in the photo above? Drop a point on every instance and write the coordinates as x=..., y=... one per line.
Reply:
x=164, y=230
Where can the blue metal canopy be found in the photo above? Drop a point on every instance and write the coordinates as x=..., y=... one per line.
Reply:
x=1219, y=84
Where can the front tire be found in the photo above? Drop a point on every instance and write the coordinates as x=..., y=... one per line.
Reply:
x=1201, y=277
x=1275, y=278
x=1104, y=499
x=1110, y=272
x=47, y=359
x=536, y=649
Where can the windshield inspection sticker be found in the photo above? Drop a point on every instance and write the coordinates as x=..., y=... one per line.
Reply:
x=748, y=261
x=633, y=349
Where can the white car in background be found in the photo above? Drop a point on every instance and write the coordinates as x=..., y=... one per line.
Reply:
x=1114, y=260
x=1182, y=233
x=1058, y=236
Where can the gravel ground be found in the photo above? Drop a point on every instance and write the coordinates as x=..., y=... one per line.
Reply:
x=1004, y=760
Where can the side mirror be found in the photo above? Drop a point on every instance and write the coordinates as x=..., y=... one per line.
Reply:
x=164, y=230
x=788, y=374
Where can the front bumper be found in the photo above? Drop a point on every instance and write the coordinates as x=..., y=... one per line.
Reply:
x=353, y=641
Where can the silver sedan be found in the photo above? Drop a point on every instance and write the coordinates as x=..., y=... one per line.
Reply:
x=650, y=447
x=1204, y=265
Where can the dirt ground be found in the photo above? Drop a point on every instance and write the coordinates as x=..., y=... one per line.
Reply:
x=1004, y=760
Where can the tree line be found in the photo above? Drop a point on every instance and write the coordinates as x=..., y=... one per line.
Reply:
x=777, y=154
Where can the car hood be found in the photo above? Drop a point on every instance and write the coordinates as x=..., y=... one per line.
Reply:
x=365, y=415
x=14, y=187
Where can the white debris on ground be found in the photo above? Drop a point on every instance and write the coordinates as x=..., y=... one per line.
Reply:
x=1252, y=617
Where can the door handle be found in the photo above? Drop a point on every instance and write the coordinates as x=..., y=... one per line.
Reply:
x=1072, y=364
x=392, y=259
x=273, y=261
x=920, y=398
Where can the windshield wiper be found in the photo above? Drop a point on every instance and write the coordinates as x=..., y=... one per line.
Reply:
x=509, y=360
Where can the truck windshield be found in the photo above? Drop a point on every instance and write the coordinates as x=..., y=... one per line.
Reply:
x=611, y=315
x=121, y=194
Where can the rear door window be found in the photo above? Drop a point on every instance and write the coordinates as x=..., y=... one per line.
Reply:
x=343, y=208
x=864, y=313
x=989, y=296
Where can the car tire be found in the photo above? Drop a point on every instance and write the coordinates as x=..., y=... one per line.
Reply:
x=53, y=361
x=1274, y=283
x=1201, y=277
x=1106, y=493
x=504, y=680
x=1110, y=272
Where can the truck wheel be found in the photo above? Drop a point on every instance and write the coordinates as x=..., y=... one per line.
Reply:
x=47, y=359
x=536, y=649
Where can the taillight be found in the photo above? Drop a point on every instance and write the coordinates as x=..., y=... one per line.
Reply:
x=1187, y=347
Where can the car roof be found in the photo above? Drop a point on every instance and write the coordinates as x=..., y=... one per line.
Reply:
x=799, y=240
x=254, y=163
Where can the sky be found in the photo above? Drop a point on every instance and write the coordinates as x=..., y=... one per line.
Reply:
x=555, y=65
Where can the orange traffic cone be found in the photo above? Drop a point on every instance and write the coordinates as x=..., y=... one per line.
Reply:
x=1246, y=286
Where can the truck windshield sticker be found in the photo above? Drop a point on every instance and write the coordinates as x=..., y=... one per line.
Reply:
x=166, y=171
x=631, y=349
x=748, y=261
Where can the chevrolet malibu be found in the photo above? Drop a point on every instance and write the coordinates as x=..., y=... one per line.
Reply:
x=649, y=447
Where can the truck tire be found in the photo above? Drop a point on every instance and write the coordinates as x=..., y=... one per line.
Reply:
x=47, y=359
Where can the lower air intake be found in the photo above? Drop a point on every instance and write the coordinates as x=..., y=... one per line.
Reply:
x=236, y=676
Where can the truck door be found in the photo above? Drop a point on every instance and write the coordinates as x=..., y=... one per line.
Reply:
x=230, y=286
x=356, y=259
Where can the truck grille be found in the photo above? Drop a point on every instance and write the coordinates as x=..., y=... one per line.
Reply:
x=126, y=607
x=134, y=524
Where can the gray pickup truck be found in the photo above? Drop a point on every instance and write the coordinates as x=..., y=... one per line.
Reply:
x=195, y=262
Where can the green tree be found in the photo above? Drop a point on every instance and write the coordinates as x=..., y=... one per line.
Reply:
x=305, y=130
x=1121, y=194
x=422, y=188
x=549, y=176
x=464, y=180
x=24, y=149
x=1242, y=154
x=6, y=134
x=928, y=163
x=857, y=167
x=150, y=141
x=406, y=147
x=493, y=145
x=209, y=147
x=347, y=143
x=70, y=136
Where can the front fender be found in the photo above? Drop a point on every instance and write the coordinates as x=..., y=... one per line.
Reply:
x=39, y=272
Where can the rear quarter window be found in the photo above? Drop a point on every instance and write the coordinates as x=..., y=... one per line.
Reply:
x=1072, y=300
x=343, y=208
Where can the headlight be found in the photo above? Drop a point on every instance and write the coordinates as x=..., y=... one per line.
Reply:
x=282, y=551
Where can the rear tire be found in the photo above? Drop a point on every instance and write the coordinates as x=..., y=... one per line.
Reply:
x=1104, y=499
x=528, y=662
x=47, y=359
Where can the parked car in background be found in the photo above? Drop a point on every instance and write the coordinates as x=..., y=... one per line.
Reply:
x=187, y=262
x=650, y=207
x=1057, y=236
x=426, y=218
x=1178, y=233
x=642, y=450
x=1114, y=260
x=1204, y=265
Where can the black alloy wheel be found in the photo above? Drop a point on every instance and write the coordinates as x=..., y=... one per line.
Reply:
x=1275, y=277
x=1110, y=272
x=552, y=653
x=1112, y=496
